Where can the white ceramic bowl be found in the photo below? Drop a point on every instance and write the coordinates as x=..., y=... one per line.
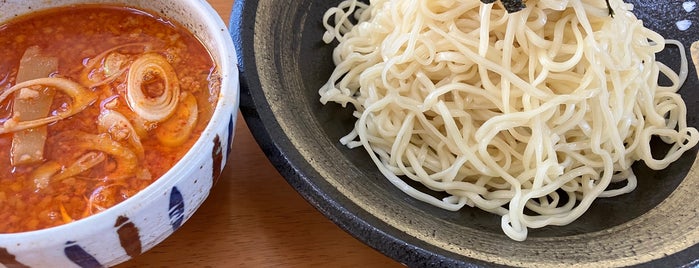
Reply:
x=144, y=220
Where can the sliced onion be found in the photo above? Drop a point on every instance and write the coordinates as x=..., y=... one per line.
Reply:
x=159, y=108
x=81, y=99
x=177, y=129
x=82, y=164
x=52, y=171
x=101, y=65
x=126, y=160
x=108, y=79
x=64, y=214
x=99, y=194
x=42, y=175
x=120, y=128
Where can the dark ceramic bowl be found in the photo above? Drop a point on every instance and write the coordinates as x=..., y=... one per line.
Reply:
x=283, y=63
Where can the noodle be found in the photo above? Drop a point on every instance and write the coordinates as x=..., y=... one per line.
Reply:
x=529, y=115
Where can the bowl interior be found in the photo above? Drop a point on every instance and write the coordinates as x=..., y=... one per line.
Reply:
x=147, y=211
x=203, y=22
x=285, y=62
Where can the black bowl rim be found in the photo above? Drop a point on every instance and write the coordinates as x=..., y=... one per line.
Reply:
x=281, y=153
x=360, y=224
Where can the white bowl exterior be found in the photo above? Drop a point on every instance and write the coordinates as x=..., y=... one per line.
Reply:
x=147, y=218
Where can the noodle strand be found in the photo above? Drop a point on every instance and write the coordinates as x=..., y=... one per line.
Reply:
x=529, y=115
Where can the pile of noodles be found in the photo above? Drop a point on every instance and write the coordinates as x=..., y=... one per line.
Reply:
x=529, y=115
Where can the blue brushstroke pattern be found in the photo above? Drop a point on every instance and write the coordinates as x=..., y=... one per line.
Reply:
x=176, y=210
x=79, y=256
x=230, y=137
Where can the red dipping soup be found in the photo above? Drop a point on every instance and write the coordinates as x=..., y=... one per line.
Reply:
x=97, y=103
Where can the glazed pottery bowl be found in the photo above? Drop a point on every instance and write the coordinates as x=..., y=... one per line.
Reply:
x=147, y=218
x=283, y=63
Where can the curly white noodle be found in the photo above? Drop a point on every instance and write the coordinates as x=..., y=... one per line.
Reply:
x=506, y=111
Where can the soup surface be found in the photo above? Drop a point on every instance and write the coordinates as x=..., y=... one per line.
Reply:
x=97, y=102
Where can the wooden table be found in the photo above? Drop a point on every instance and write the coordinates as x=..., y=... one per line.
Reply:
x=253, y=218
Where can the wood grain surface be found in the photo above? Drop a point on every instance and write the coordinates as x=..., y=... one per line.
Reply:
x=253, y=218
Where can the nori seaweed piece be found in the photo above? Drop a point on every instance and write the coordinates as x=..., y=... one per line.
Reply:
x=513, y=6
x=609, y=7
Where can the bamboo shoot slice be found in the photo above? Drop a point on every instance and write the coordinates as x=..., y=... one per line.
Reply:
x=81, y=99
x=30, y=104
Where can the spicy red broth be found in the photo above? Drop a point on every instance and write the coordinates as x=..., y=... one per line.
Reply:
x=96, y=103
